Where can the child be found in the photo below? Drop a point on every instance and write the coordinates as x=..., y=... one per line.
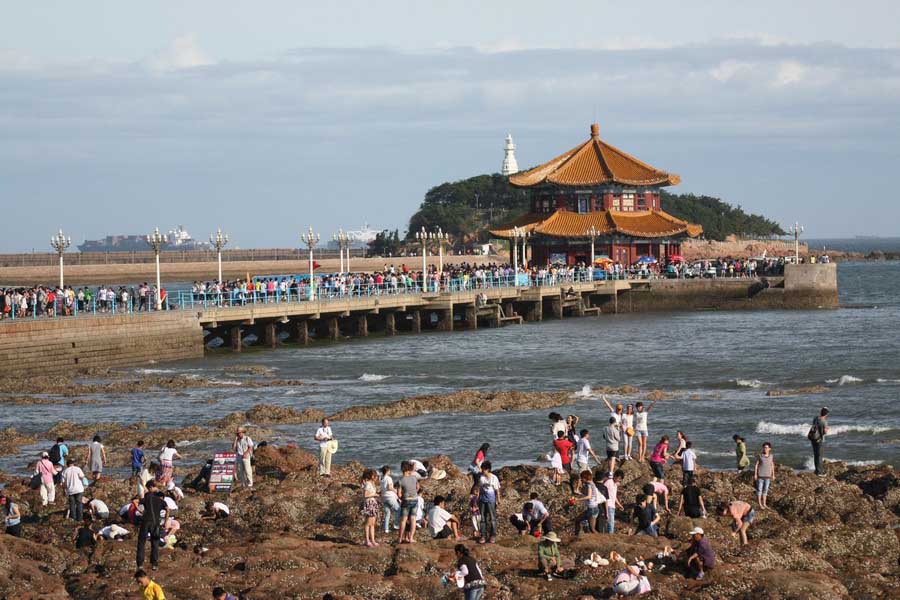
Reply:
x=548, y=556
x=688, y=463
x=764, y=474
x=137, y=458
x=150, y=589
x=474, y=513
x=409, y=503
x=370, y=505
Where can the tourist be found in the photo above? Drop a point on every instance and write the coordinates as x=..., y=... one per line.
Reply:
x=816, y=436
x=611, y=491
x=137, y=459
x=741, y=514
x=583, y=451
x=441, y=522
x=370, y=503
x=170, y=528
x=85, y=536
x=12, y=518
x=700, y=555
x=150, y=589
x=167, y=458
x=147, y=473
x=659, y=457
x=631, y=581
x=243, y=449
x=475, y=466
x=220, y=594
x=58, y=454
x=47, y=470
x=214, y=511
x=688, y=463
x=740, y=452
x=572, y=428
x=535, y=517
x=617, y=413
x=469, y=572
x=659, y=491
x=324, y=436
x=764, y=474
x=548, y=556
x=474, y=513
x=563, y=447
x=612, y=436
x=557, y=425
x=74, y=480
x=169, y=500
x=691, y=502
x=488, y=501
x=113, y=533
x=646, y=515
x=409, y=503
x=154, y=513
x=640, y=428
x=592, y=499
x=420, y=468
x=96, y=508
x=95, y=457
x=628, y=431
x=390, y=503
x=132, y=512
x=682, y=444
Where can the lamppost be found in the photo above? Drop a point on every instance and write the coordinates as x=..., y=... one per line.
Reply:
x=156, y=241
x=59, y=242
x=593, y=233
x=442, y=238
x=343, y=241
x=796, y=229
x=423, y=236
x=218, y=241
x=310, y=238
x=525, y=237
x=518, y=233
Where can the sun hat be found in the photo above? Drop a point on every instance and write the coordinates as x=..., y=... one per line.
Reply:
x=552, y=537
x=44, y=455
x=438, y=474
x=696, y=531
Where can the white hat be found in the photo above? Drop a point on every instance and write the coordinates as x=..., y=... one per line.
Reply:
x=696, y=531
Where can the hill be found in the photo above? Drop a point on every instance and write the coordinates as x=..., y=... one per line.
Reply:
x=468, y=208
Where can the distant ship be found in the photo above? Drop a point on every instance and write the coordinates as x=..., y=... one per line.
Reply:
x=179, y=239
x=360, y=238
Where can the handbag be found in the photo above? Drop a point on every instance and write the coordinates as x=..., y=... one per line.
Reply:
x=35, y=482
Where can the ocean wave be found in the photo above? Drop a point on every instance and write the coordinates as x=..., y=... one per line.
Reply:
x=714, y=453
x=750, y=383
x=844, y=380
x=372, y=377
x=882, y=380
x=226, y=382
x=585, y=392
x=803, y=429
x=154, y=371
x=811, y=465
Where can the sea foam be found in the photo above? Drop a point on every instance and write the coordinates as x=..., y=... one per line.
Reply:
x=803, y=429
x=372, y=377
x=810, y=464
x=844, y=380
x=750, y=383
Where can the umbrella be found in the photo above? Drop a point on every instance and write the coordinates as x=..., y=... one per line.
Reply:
x=676, y=258
x=602, y=260
x=645, y=260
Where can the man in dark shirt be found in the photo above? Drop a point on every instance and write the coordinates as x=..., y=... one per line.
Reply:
x=646, y=516
x=154, y=505
x=817, y=437
x=700, y=555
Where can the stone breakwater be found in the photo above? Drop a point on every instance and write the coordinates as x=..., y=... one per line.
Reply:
x=299, y=536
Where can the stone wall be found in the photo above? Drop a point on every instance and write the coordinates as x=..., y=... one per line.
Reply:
x=65, y=345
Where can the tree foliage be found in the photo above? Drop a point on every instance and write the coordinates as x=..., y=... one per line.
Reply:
x=386, y=243
x=466, y=209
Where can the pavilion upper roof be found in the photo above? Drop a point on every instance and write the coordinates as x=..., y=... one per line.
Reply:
x=567, y=224
x=594, y=163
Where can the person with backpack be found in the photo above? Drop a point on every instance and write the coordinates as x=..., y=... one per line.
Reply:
x=816, y=436
x=58, y=454
x=154, y=509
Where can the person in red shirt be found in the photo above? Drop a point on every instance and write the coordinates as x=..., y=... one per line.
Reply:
x=562, y=445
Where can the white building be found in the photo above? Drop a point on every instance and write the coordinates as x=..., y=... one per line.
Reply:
x=510, y=166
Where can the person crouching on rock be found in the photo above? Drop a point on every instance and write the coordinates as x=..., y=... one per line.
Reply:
x=370, y=505
x=535, y=518
x=441, y=523
x=700, y=555
x=548, y=556
x=742, y=515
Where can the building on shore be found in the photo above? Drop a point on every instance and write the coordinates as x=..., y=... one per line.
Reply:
x=596, y=192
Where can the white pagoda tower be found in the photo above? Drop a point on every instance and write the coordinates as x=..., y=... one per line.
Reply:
x=510, y=166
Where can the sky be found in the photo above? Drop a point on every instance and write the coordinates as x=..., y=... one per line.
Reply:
x=266, y=118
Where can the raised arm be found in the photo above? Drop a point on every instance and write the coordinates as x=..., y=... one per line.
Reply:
x=606, y=402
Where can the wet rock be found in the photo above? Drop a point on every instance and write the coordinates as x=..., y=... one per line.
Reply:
x=813, y=389
x=11, y=441
x=250, y=369
x=270, y=414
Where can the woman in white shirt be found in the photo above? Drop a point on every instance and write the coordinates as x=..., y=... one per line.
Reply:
x=167, y=458
x=628, y=429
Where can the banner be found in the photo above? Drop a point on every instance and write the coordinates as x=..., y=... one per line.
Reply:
x=221, y=478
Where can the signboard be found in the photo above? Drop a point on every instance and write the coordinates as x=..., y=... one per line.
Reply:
x=221, y=478
x=559, y=258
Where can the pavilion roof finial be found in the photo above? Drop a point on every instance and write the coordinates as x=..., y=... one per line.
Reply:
x=595, y=130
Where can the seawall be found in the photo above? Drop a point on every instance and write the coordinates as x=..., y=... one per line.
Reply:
x=58, y=346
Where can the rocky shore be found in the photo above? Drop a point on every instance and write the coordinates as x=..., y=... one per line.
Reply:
x=296, y=535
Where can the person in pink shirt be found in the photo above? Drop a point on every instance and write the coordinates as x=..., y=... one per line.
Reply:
x=742, y=515
x=659, y=457
x=661, y=489
x=47, y=471
x=611, y=485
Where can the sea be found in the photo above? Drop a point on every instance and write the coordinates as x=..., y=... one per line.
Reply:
x=715, y=369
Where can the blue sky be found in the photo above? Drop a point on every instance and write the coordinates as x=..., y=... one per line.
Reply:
x=264, y=118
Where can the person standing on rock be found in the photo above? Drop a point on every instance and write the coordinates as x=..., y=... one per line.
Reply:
x=243, y=448
x=73, y=479
x=488, y=501
x=480, y=457
x=58, y=454
x=154, y=509
x=95, y=458
x=740, y=452
x=12, y=518
x=592, y=499
x=324, y=436
x=469, y=572
x=612, y=436
x=47, y=470
x=409, y=503
x=583, y=451
x=640, y=427
x=167, y=458
x=391, y=505
x=659, y=457
x=816, y=436
x=370, y=503
x=764, y=474
x=628, y=431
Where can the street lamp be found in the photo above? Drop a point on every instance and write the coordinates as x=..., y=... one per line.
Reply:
x=218, y=241
x=442, y=238
x=343, y=240
x=518, y=233
x=59, y=242
x=593, y=233
x=310, y=238
x=423, y=236
x=157, y=241
x=795, y=230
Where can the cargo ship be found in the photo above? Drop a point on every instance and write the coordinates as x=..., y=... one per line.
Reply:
x=178, y=239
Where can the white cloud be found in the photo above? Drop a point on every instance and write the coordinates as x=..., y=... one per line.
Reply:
x=182, y=53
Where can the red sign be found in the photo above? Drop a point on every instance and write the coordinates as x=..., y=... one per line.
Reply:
x=222, y=476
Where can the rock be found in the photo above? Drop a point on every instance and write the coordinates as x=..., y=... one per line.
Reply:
x=268, y=414
x=812, y=389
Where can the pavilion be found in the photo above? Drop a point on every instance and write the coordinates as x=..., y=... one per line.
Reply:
x=596, y=194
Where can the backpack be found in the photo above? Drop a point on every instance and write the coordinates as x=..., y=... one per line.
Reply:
x=55, y=454
x=813, y=434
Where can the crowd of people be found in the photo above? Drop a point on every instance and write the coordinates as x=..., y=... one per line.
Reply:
x=66, y=301
x=152, y=515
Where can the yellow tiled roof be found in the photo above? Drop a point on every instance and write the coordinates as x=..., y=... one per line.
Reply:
x=594, y=163
x=566, y=224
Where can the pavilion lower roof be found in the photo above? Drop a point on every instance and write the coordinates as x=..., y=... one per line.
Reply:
x=567, y=224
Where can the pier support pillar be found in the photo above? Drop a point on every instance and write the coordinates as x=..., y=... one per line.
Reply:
x=390, y=324
x=579, y=308
x=334, y=330
x=535, y=312
x=416, y=321
x=362, y=325
x=471, y=317
x=446, y=320
x=301, y=331
x=557, y=306
x=270, y=335
x=236, y=341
